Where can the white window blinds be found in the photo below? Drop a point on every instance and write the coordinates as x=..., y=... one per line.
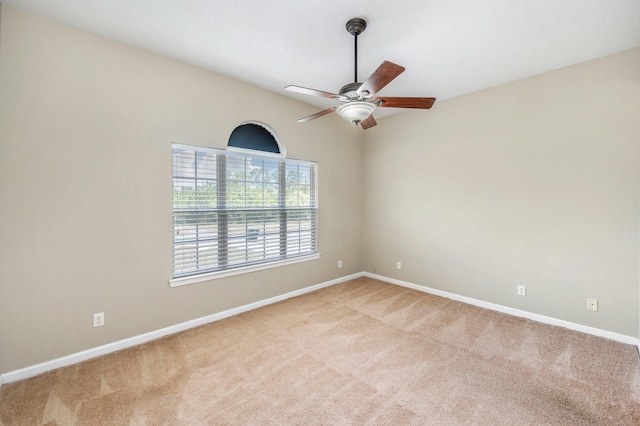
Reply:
x=232, y=210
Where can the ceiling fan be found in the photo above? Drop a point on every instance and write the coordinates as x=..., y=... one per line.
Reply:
x=358, y=98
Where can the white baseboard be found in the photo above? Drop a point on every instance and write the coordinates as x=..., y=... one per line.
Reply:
x=512, y=311
x=34, y=370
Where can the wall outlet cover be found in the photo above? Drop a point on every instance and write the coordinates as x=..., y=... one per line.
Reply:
x=98, y=319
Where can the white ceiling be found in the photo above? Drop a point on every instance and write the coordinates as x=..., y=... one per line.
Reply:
x=449, y=47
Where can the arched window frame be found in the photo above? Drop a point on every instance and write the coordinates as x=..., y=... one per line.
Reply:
x=281, y=148
x=286, y=230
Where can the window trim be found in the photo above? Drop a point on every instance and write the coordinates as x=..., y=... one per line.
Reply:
x=192, y=279
x=246, y=151
x=239, y=270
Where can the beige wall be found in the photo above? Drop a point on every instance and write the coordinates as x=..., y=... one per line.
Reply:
x=532, y=183
x=86, y=127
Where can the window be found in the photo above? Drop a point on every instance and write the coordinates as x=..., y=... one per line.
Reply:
x=239, y=211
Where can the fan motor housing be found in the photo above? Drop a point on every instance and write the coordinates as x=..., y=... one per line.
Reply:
x=351, y=91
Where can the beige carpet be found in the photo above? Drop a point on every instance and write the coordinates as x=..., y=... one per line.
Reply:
x=362, y=352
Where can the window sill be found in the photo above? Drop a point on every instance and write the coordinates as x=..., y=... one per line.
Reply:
x=176, y=282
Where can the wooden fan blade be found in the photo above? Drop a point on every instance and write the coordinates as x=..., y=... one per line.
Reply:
x=421, y=103
x=368, y=122
x=385, y=73
x=317, y=114
x=313, y=92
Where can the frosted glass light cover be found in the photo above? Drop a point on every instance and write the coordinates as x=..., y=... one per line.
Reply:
x=355, y=112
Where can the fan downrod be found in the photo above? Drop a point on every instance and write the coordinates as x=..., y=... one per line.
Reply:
x=355, y=26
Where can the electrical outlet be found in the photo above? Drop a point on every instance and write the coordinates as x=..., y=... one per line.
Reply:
x=592, y=304
x=398, y=265
x=98, y=319
x=339, y=263
x=522, y=290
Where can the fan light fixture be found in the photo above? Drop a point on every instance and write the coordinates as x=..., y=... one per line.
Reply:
x=355, y=112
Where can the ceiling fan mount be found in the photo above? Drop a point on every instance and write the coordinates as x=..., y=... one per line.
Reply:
x=355, y=26
x=359, y=102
